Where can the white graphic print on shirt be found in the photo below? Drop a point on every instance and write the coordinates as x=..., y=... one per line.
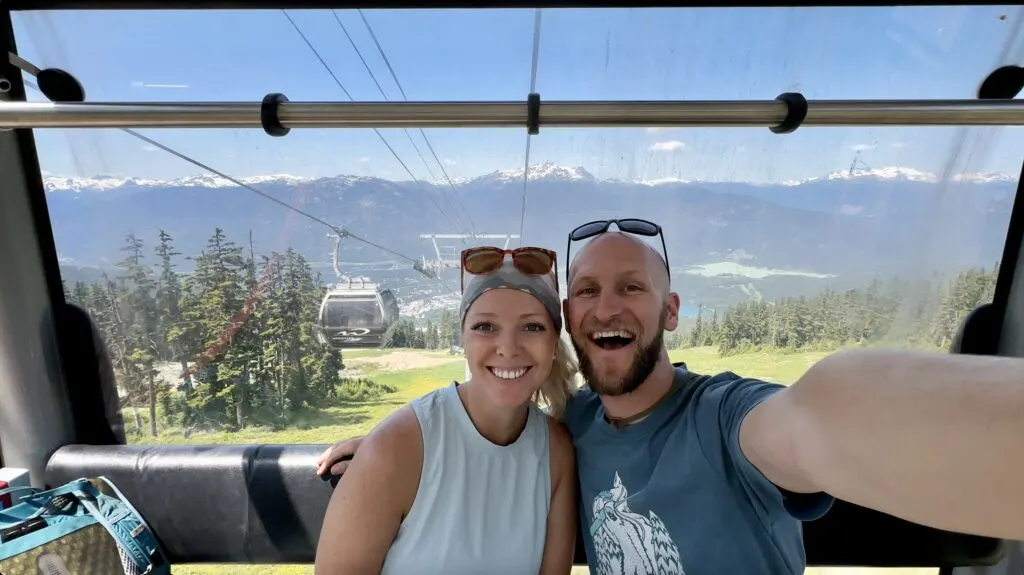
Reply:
x=627, y=543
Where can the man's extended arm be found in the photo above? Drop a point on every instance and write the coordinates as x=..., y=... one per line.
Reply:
x=933, y=438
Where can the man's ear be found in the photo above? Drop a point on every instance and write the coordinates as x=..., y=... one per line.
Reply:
x=565, y=316
x=672, y=304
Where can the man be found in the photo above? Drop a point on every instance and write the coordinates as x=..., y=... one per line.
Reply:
x=681, y=472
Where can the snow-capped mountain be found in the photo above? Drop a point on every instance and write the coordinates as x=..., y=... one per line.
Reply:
x=542, y=171
x=545, y=171
x=829, y=228
x=107, y=183
x=906, y=174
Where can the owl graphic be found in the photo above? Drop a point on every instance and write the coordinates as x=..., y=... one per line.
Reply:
x=628, y=543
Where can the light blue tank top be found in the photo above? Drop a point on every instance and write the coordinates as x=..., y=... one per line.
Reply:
x=480, y=507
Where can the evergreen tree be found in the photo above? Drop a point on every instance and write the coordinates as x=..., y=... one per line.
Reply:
x=239, y=328
x=900, y=312
x=180, y=338
x=138, y=309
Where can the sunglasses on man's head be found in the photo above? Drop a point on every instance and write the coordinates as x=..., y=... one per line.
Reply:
x=633, y=226
x=486, y=259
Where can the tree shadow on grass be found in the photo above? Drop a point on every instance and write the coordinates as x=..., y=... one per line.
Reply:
x=321, y=418
x=311, y=417
x=353, y=404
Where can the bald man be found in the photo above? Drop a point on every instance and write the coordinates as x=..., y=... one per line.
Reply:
x=713, y=474
x=688, y=473
x=664, y=484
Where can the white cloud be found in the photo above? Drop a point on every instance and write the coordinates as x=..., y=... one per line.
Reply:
x=142, y=84
x=654, y=130
x=450, y=161
x=862, y=147
x=363, y=160
x=898, y=145
x=669, y=146
x=150, y=148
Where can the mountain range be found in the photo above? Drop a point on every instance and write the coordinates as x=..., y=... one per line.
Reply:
x=838, y=229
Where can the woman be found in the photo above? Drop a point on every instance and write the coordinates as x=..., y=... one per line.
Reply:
x=473, y=477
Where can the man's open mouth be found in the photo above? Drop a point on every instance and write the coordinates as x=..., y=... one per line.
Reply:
x=612, y=339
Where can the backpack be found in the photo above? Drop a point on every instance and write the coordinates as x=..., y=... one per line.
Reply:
x=83, y=527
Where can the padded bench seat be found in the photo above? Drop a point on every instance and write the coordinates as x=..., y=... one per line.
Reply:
x=262, y=504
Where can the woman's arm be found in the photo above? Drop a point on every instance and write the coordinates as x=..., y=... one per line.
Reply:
x=369, y=503
x=560, y=543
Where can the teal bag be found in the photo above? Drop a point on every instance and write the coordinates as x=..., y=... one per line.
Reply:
x=84, y=527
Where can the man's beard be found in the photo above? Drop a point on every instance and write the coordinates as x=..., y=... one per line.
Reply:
x=644, y=361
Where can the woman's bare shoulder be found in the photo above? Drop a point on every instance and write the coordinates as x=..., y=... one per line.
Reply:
x=388, y=464
x=396, y=440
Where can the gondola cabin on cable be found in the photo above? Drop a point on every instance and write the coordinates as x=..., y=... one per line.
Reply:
x=356, y=313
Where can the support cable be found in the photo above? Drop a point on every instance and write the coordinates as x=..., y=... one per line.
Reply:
x=338, y=230
x=379, y=135
x=430, y=146
x=373, y=76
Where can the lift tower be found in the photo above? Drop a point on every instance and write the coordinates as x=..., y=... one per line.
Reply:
x=447, y=253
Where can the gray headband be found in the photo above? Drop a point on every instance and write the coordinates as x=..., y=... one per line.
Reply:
x=508, y=277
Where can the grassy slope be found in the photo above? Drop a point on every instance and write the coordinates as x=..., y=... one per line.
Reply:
x=330, y=423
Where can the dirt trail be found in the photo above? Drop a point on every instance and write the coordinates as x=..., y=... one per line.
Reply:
x=400, y=360
x=170, y=372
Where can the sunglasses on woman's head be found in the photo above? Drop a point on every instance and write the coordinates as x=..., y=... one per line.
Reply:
x=529, y=260
x=633, y=226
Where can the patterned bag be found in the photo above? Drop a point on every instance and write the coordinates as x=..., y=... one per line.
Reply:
x=85, y=527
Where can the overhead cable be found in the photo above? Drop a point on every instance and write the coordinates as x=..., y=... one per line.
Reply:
x=380, y=89
x=338, y=230
x=236, y=181
x=376, y=131
x=394, y=76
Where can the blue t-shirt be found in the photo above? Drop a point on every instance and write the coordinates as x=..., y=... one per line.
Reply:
x=673, y=493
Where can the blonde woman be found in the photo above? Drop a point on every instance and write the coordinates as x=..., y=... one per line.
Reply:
x=473, y=477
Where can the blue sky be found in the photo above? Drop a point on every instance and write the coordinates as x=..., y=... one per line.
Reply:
x=831, y=53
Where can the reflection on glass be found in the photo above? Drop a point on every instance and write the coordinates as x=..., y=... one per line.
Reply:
x=784, y=248
x=345, y=312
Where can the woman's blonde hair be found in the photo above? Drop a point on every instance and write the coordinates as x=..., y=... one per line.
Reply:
x=561, y=383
